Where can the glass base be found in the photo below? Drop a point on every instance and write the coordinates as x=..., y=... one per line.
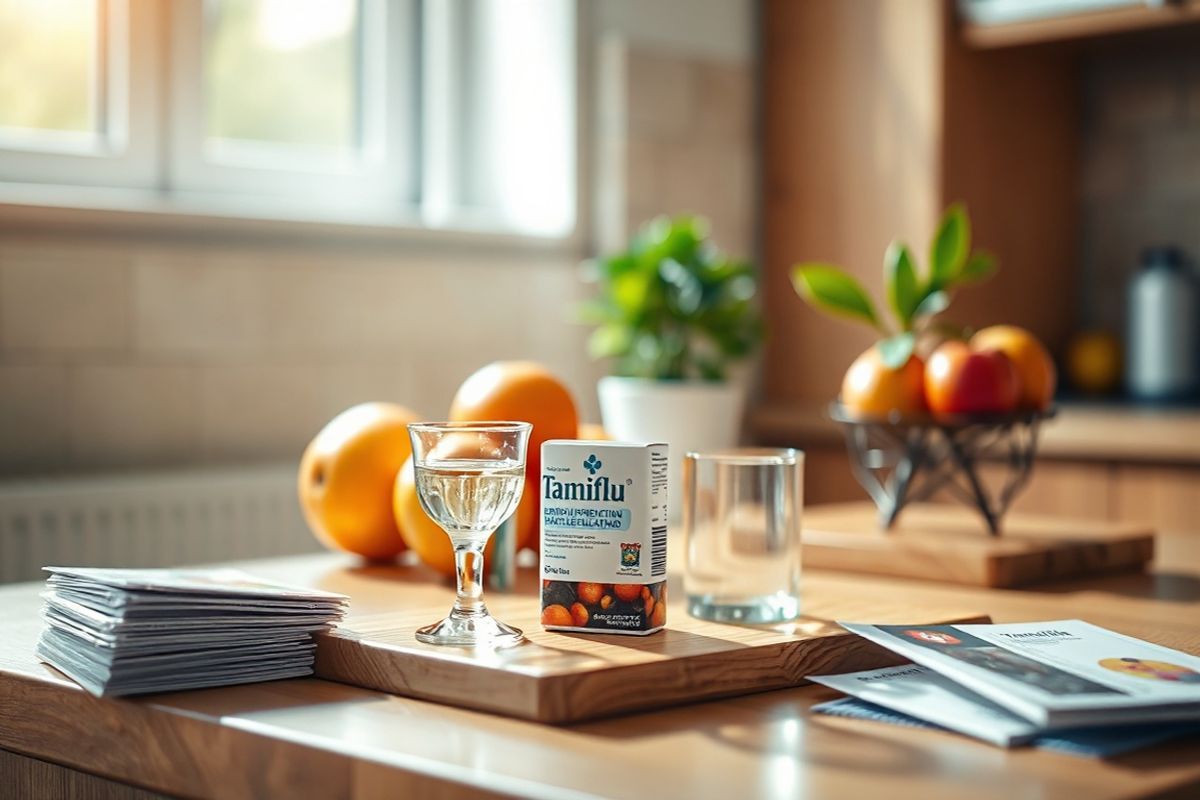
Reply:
x=484, y=631
x=764, y=609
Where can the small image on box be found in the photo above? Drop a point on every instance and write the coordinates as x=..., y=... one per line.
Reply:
x=607, y=607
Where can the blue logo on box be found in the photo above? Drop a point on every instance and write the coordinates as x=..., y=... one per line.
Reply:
x=592, y=464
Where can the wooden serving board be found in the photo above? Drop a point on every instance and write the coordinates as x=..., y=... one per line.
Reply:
x=948, y=543
x=568, y=677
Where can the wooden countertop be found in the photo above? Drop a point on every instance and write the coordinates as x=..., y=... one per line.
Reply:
x=314, y=738
x=1083, y=432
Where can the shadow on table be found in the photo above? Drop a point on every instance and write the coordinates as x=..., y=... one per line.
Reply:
x=1180, y=752
x=344, y=579
x=1169, y=586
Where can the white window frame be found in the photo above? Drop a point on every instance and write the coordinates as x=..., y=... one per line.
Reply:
x=379, y=173
x=124, y=153
x=409, y=179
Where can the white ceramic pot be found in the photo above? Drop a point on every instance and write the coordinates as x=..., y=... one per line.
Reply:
x=687, y=415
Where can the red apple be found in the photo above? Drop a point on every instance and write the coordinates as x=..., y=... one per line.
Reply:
x=959, y=380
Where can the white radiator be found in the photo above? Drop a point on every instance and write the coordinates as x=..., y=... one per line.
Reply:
x=150, y=520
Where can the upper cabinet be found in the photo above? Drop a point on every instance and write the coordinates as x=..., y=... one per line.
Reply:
x=1006, y=23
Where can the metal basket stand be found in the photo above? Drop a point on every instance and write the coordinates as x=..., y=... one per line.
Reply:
x=901, y=461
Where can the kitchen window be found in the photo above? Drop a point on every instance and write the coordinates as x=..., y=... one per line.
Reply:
x=452, y=114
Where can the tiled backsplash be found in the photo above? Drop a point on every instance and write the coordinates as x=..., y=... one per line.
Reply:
x=1141, y=167
x=135, y=355
x=674, y=133
x=124, y=353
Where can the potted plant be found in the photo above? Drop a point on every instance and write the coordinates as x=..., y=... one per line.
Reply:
x=674, y=314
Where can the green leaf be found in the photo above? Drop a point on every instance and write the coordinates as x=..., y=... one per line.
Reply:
x=629, y=290
x=980, y=266
x=934, y=303
x=901, y=280
x=830, y=289
x=950, y=246
x=610, y=340
x=595, y=312
x=710, y=369
x=672, y=305
x=896, y=350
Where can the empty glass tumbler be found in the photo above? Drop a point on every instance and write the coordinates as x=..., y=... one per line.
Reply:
x=741, y=520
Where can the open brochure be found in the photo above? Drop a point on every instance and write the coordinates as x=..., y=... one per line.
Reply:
x=1061, y=674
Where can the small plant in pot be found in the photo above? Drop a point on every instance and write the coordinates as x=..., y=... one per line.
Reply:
x=675, y=315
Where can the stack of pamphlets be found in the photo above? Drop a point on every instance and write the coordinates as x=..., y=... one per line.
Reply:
x=131, y=631
x=1067, y=684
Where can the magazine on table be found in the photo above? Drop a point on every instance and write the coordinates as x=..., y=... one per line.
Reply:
x=1008, y=684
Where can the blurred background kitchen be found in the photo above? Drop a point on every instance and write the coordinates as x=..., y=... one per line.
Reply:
x=224, y=221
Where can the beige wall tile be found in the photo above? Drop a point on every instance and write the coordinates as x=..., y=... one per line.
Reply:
x=191, y=304
x=271, y=411
x=59, y=303
x=644, y=178
x=662, y=94
x=714, y=181
x=725, y=108
x=336, y=307
x=33, y=418
x=687, y=147
x=134, y=415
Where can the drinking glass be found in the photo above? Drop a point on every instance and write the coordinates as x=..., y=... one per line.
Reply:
x=741, y=521
x=469, y=478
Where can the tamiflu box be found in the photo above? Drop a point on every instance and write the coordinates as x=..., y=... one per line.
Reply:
x=604, y=536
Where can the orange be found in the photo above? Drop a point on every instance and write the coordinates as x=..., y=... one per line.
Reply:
x=872, y=388
x=557, y=615
x=579, y=615
x=960, y=380
x=519, y=390
x=593, y=432
x=422, y=535
x=1094, y=362
x=346, y=476
x=1035, y=368
x=590, y=593
x=627, y=591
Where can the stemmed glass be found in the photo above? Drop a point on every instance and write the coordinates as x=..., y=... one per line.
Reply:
x=469, y=478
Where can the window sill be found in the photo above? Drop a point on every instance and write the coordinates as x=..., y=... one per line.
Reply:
x=31, y=208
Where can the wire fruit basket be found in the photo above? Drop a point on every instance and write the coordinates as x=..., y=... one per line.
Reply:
x=903, y=460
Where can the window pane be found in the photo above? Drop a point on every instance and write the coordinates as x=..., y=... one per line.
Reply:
x=520, y=115
x=282, y=71
x=48, y=61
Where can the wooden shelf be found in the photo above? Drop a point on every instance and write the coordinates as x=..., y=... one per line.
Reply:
x=1080, y=26
x=1078, y=432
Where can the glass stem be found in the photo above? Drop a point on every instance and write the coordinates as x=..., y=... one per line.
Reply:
x=468, y=562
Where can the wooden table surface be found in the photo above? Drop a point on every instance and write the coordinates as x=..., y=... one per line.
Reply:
x=312, y=738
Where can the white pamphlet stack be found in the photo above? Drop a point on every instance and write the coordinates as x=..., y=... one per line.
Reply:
x=132, y=631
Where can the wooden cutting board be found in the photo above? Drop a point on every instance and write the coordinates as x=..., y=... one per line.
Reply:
x=568, y=677
x=949, y=544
